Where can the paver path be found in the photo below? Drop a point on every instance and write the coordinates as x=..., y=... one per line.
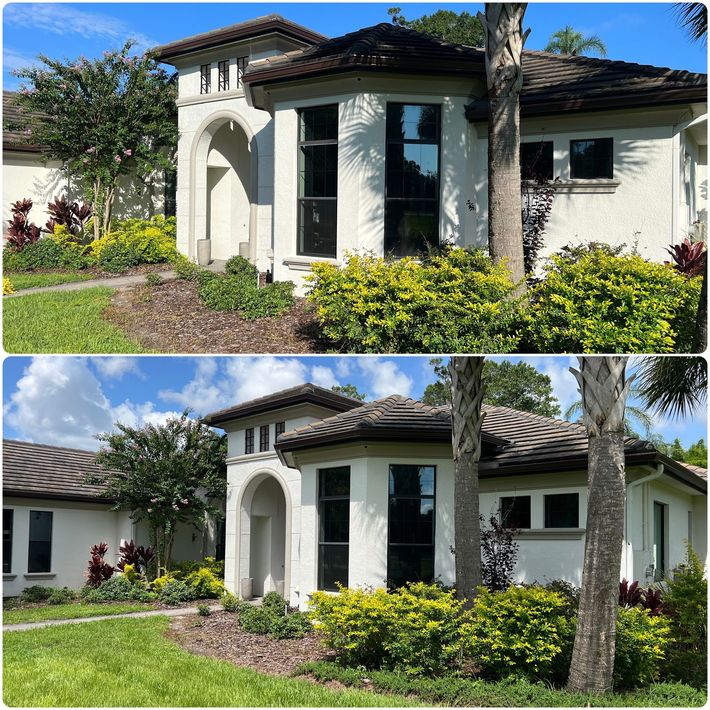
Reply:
x=184, y=611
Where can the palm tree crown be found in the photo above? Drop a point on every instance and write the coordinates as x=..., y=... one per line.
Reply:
x=569, y=41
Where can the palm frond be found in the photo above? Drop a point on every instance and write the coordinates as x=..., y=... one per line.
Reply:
x=693, y=16
x=673, y=386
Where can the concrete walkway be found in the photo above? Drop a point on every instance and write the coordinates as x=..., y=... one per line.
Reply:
x=185, y=611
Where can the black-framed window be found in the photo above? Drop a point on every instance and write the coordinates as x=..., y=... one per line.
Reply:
x=318, y=181
x=562, y=510
x=279, y=429
x=333, y=527
x=591, y=158
x=205, y=78
x=241, y=68
x=537, y=160
x=170, y=193
x=223, y=75
x=412, y=178
x=8, y=517
x=39, y=557
x=410, y=545
x=249, y=441
x=264, y=437
x=515, y=512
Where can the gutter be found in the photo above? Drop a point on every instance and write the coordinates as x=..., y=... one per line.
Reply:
x=660, y=468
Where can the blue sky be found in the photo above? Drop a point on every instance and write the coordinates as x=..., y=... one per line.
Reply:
x=646, y=33
x=66, y=401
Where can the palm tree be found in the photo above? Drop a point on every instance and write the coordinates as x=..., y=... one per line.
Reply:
x=604, y=389
x=569, y=41
x=673, y=386
x=467, y=390
x=503, y=26
x=693, y=17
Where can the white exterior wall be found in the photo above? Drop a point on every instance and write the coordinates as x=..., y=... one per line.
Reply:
x=75, y=528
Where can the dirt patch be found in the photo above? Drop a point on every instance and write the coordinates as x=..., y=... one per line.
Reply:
x=171, y=318
x=219, y=636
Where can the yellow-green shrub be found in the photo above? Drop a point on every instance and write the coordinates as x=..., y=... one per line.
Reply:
x=153, y=240
x=453, y=301
x=641, y=643
x=159, y=582
x=596, y=301
x=7, y=287
x=204, y=584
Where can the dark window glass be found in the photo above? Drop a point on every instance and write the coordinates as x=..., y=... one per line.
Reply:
x=280, y=429
x=264, y=438
x=170, y=193
x=205, y=78
x=412, y=505
x=223, y=75
x=412, y=178
x=241, y=68
x=7, y=520
x=318, y=181
x=593, y=158
x=249, y=441
x=39, y=557
x=515, y=512
x=562, y=510
x=536, y=160
x=333, y=527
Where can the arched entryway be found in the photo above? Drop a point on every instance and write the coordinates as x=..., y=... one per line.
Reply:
x=264, y=536
x=223, y=186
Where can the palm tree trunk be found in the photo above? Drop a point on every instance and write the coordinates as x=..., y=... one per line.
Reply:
x=503, y=25
x=604, y=388
x=467, y=390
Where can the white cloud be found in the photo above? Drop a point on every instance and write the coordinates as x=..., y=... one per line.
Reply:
x=323, y=376
x=115, y=367
x=564, y=385
x=343, y=366
x=204, y=393
x=62, y=19
x=384, y=377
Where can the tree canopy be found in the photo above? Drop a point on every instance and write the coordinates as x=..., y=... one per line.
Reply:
x=569, y=41
x=454, y=27
x=349, y=390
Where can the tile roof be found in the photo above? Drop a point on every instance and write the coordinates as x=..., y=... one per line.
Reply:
x=13, y=138
x=43, y=471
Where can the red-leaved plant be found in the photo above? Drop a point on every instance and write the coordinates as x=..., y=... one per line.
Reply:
x=70, y=214
x=136, y=555
x=630, y=594
x=21, y=231
x=653, y=601
x=689, y=258
x=99, y=570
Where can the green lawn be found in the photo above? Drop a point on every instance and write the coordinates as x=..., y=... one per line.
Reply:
x=76, y=610
x=62, y=322
x=27, y=279
x=130, y=663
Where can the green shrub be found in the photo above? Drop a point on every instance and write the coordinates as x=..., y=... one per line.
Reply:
x=274, y=618
x=523, y=631
x=118, y=257
x=62, y=596
x=294, y=625
x=273, y=602
x=232, y=603
x=686, y=605
x=239, y=293
x=159, y=582
x=255, y=620
x=204, y=584
x=239, y=266
x=153, y=279
x=598, y=302
x=569, y=592
x=641, y=640
x=117, y=589
x=181, y=569
x=203, y=610
x=43, y=254
x=175, y=592
x=150, y=240
x=184, y=268
x=454, y=301
x=36, y=593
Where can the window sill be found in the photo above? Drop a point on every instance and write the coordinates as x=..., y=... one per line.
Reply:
x=304, y=263
x=552, y=534
x=212, y=96
x=40, y=575
x=256, y=456
x=8, y=576
x=601, y=186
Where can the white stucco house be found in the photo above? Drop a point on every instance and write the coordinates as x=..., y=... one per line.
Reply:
x=295, y=147
x=51, y=517
x=325, y=489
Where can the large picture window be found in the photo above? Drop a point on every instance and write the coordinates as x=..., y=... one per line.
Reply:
x=39, y=558
x=562, y=510
x=592, y=158
x=333, y=527
x=8, y=516
x=318, y=181
x=410, y=549
x=412, y=178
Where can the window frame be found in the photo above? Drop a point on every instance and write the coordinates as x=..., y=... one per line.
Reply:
x=7, y=553
x=321, y=498
x=264, y=439
x=545, y=498
x=606, y=139
x=205, y=79
x=223, y=75
x=279, y=428
x=242, y=63
x=300, y=238
x=249, y=440
x=411, y=141
x=30, y=541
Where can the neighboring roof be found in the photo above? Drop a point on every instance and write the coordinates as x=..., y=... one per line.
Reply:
x=301, y=394
x=13, y=138
x=697, y=470
x=268, y=24
x=385, y=46
x=42, y=471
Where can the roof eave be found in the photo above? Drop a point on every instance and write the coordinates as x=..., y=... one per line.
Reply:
x=47, y=495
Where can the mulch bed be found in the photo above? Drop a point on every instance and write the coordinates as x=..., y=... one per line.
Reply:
x=95, y=272
x=219, y=636
x=171, y=318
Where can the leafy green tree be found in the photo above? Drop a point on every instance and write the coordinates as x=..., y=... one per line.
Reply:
x=508, y=384
x=569, y=41
x=697, y=454
x=106, y=118
x=349, y=390
x=164, y=474
x=454, y=27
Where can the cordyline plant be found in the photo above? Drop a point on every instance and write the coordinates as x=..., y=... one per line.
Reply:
x=20, y=230
x=499, y=554
x=103, y=118
x=71, y=215
x=165, y=475
x=99, y=570
x=688, y=257
x=137, y=556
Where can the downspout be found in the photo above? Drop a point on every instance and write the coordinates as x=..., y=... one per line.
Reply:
x=660, y=468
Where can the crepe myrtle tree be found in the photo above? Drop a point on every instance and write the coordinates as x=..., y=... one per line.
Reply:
x=103, y=118
x=165, y=475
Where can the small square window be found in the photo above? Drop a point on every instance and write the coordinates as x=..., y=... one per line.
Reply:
x=536, y=160
x=515, y=512
x=592, y=158
x=562, y=510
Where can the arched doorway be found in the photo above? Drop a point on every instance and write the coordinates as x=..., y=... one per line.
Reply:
x=223, y=187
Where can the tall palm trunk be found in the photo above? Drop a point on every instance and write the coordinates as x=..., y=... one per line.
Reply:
x=604, y=389
x=503, y=25
x=467, y=390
